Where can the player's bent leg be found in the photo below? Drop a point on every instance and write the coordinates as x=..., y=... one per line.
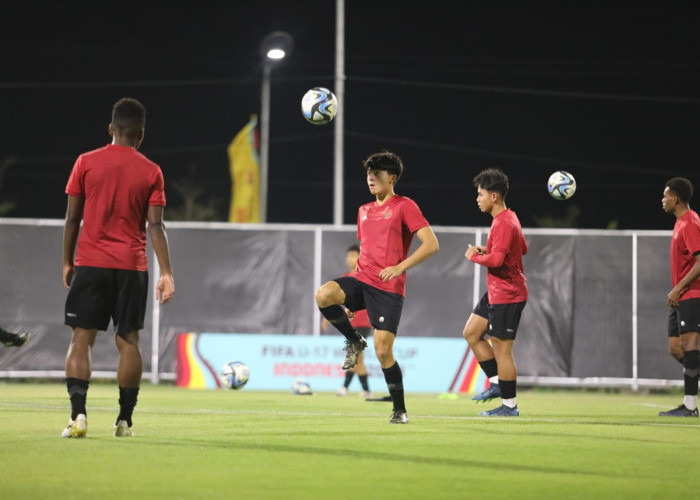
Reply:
x=473, y=333
x=330, y=294
x=129, y=372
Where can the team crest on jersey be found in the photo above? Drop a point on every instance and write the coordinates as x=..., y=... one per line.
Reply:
x=387, y=214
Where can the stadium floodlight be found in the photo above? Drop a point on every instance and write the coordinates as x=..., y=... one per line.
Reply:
x=273, y=48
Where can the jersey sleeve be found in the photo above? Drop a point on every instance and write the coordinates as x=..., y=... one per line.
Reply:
x=76, y=186
x=157, y=197
x=413, y=217
x=691, y=237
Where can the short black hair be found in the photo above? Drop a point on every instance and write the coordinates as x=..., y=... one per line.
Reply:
x=492, y=179
x=385, y=160
x=128, y=114
x=353, y=248
x=682, y=187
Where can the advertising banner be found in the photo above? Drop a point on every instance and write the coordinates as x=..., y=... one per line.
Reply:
x=277, y=361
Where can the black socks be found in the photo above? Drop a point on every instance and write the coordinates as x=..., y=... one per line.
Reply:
x=337, y=317
x=127, y=402
x=691, y=370
x=394, y=382
x=77, y=392
x=490, y=367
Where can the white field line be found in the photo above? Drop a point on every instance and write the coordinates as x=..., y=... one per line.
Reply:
x=207, y=411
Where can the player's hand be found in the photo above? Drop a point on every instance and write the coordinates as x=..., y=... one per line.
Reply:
x=350, y=313
x=471, y=250
x=165, y=289
x=391, y=272
x=673, y=297
x=67, y=274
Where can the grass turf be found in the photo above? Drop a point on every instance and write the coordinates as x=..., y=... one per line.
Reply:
x=243, y=444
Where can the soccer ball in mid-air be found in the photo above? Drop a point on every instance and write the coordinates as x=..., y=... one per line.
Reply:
x=234, y=375
x=561, y=185
x=301, y=387
x=319, y=106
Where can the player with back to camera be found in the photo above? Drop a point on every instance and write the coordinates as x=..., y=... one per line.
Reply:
x=684, y=297
x=114, y=190
x=360, y=322
x=498, y=312
x=10, y=339
x=385, y=228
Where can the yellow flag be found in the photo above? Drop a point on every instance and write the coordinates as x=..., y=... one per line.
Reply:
x=245, y=174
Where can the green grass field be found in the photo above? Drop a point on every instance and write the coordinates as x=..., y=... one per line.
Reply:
x=243, y=444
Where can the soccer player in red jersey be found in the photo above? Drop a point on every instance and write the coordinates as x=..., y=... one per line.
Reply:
x=114, y=190
x=684, y=297
x=385, y=228
x=360, y=322
x=498, y=312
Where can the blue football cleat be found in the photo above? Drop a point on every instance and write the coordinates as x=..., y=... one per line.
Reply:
x=501, y=411
x=681, y=411
x=492, y=392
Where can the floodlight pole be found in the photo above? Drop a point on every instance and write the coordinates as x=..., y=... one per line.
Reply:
x=273, y=48
x=339, y=129
x=264, y=139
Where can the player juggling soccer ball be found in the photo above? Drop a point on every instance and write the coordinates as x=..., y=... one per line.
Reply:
x=385, y=228
x=498, y=312
x=114, y=190
x=684, y=297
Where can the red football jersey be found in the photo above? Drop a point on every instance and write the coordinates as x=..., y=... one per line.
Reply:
x=118, y=184
x=385, y=233
x=684, y=245
x=505, y=248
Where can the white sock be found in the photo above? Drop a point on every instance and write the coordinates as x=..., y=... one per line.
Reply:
x=690, y=402
x=510, y=403
x=494, y=380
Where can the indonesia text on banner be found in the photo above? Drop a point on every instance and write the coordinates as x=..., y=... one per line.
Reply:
x=245, y=174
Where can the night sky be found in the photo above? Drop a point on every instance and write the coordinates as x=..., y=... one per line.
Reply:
x=609, y=91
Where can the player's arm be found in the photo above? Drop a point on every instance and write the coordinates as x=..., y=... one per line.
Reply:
x=71, y=229
x=428, y=246
x=493, y=259
x=165, y=288
x=675, y=295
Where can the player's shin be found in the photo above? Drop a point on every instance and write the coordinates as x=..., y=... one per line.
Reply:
x=691, y=371
x=394, y=382
x=337, y=317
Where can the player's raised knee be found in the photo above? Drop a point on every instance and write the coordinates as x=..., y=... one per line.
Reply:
x=327, y=294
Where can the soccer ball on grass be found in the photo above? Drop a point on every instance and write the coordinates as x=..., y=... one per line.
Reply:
x=234, y=375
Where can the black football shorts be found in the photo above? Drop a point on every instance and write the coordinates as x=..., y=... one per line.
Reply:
x=504, y=319
x=99, y=294
x=383, y=308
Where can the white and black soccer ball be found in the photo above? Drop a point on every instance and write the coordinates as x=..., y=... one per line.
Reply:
x=561, y=185
x=301, y=387
x=319, y=106
x=234, y=375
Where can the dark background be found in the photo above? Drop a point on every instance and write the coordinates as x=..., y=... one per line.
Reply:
x=606, y=90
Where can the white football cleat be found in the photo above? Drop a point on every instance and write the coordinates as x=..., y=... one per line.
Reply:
x=76, y=428
x=122, y=429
